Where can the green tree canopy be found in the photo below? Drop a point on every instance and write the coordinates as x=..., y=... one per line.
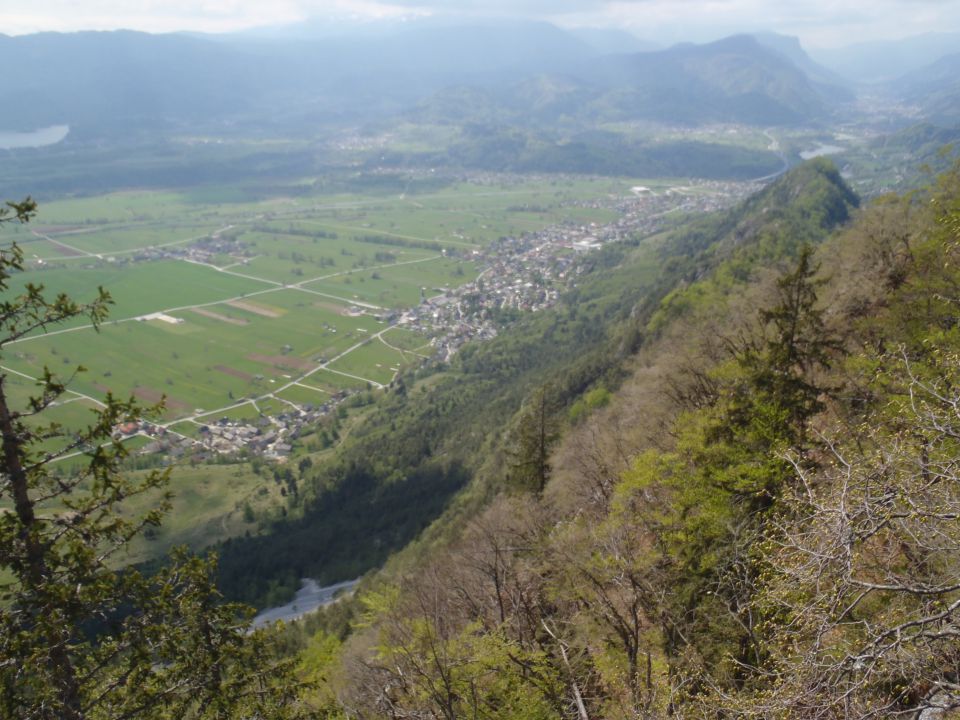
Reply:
x=80, y=637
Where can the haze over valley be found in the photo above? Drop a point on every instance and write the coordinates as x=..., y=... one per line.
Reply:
x=587, y=359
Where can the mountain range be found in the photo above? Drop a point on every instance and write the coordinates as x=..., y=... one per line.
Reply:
x=108, y=83
x=886, y=60
x=934, y=89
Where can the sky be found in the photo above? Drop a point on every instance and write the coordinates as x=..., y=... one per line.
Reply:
x=819, y=23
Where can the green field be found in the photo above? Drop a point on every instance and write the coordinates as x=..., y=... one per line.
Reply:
x=333, y=382
x=300, y=395
x=373, y=361
x=245, y=412
x=139, y=288
x=208, y=506
x=291, y=259
x=272, y=406
x=188, y=428
x=407, y=341
x=289, y=284
x=126, y=241
x=399, y=286
x=119, y=207
x=204, y=362
x=37, y=250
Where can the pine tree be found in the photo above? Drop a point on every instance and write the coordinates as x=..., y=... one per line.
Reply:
x=733, y=468
x=534, y=434
x=764, y=412
x=798, y=345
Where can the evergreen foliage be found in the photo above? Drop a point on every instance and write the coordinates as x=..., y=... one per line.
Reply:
x=80, y=638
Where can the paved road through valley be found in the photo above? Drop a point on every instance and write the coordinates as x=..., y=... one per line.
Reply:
x=308, y=598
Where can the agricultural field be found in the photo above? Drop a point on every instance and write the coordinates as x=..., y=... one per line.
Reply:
x=205, y=357
x=223, y=306
x=374, y=360
x=303, y=395
x=120, y=242
x=234, y=320
x=400, y=285
x=333, y=382
x=409, y=344
x=71, y=412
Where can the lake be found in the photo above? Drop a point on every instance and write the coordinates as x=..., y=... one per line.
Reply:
x=10, y=140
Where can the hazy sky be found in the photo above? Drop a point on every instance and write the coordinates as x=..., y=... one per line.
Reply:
x=817, y=22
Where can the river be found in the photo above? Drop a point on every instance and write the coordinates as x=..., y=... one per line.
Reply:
x=308, y=598
x=821, y=150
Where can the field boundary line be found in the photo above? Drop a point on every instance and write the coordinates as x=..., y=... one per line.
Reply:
x=80, y=396
x=311, y=387
x=402, y=352
x=128, y=251
x=164, y=311
x=230, y=272
x=355, y=377
x=83, y=253
x=217, y=411
x=391, y=234
x=365, y=269
x=358, y=303
x=284, y=400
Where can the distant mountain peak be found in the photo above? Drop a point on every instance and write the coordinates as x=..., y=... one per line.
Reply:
x=789, y=47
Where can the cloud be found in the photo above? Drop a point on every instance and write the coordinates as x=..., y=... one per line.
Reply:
x=179, y=15
x=148, y=15
x=818, y=22
x=500, y=7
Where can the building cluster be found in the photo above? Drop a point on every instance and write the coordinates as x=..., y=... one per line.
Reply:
x=160, y=439
x=213, y=247
x=270, y=436
x=267, y=436
x=529, y=273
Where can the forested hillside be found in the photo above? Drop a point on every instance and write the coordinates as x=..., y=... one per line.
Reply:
x=750, y=511
x=435, y=433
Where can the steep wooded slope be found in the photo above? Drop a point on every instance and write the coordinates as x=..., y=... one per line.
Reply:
x=763, y=522
x=438, y=433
